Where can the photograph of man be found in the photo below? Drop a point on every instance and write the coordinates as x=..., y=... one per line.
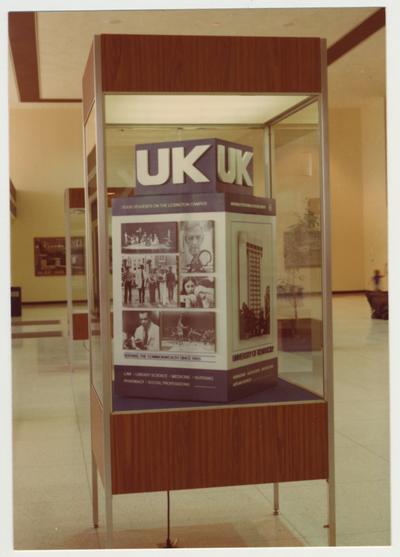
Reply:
x=197, y=246
x=142, y=331
x=127, y=282
x=171, y=284
x=141, y=281
x=153, y=286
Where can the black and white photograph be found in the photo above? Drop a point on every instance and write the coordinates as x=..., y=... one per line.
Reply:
x=149, y=280
x=189, y=331
x=141, y=330
x=254, y=293
x=197, y=291
x=197, y=246
x=155, y=237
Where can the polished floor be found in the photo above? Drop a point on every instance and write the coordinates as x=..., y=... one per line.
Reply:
x=51, y=452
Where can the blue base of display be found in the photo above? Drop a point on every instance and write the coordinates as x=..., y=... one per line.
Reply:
x=282, y=392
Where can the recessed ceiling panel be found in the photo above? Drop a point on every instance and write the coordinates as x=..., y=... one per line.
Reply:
x=359, y=75
x=196, y=109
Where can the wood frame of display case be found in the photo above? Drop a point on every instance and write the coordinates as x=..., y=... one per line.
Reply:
x=192, y=448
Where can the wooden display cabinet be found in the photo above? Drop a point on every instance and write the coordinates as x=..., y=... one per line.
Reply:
x=284, y=434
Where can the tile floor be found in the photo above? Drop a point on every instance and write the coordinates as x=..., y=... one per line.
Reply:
x=52, y=505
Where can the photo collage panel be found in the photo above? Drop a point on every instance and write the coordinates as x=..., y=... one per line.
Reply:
x=167, y=269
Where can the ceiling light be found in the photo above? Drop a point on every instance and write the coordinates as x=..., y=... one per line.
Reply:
x=196, y=109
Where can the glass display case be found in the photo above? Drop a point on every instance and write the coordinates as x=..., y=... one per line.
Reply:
x=74, y=216
x=229, y=166
x=297, y=182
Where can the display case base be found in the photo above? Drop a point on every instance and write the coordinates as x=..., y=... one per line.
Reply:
x=195, y=384
x=206, y=445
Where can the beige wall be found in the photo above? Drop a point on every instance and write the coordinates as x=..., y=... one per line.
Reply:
x=45, y=159
x=346, y=199
x=374, y=189
x=358, y=194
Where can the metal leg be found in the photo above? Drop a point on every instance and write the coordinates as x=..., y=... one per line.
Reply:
x=331, y=514
x=109, y=520
x=169, y=544
x=95, y=494
x=276, y=499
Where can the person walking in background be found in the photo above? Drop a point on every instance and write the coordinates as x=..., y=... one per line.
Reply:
x=376, y=279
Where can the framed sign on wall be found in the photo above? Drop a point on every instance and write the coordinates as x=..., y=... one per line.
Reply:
x=49, y=254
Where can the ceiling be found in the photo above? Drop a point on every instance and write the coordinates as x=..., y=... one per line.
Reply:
x=64, y=39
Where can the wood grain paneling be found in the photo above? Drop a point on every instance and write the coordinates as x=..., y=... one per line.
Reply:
x=76, y=198
x=88, y=85
x=80, y=330
x=159, y=63
x=22, y=34
x=97, y=431
x=357, y=35
x=218, y=447
x=13, y=191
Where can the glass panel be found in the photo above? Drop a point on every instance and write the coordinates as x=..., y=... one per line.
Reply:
x=296, y=186
x=76, y=277
x=93, y=259
x=241, y=241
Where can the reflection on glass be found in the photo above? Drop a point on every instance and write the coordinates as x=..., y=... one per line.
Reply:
x=296, y=185
x=76, y=276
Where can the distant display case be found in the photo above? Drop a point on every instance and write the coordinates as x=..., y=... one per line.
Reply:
x=75, y=259
x=75, y=266
x=242, y=155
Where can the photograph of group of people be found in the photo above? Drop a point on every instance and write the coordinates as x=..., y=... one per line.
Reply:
x=176, y=331
x=168, y=266
x=157, y=279
x=153, y=237
x=150, y=280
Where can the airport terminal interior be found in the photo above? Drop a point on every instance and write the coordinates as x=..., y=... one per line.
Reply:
x=52, y=462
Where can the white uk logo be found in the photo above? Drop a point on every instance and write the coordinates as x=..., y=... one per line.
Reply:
x=238, y=161
x=173, y=165
x=181, y=164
